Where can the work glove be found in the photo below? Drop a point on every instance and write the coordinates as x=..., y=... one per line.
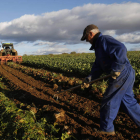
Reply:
x=85, y=81
x=115, y=74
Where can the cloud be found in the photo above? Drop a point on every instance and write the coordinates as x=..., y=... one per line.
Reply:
x=66, y=26
x=21, y=44
x=45, y=43
x=82, y=50
x=129, y=38
x=51, y=51
x=135, y=49
x=109, y=32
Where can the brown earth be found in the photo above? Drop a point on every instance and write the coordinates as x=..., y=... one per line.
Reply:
x=81, y=110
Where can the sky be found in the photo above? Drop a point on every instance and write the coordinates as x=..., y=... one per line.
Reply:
x=41, y=27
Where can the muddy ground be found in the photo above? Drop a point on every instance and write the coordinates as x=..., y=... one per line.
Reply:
x=81, y=109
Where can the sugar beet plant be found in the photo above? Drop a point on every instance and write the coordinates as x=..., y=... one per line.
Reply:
x=21, y=125
x=76, y=63
x=16, y=123
x=68, y=63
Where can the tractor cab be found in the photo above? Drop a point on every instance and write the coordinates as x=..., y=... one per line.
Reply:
x=8, y=49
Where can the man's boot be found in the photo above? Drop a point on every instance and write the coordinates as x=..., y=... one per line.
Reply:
x=108, y=133
x=101, y=133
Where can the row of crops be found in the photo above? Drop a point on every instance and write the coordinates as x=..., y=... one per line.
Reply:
x=58, y=79
x=28, y=118
x=79, y=64
x=23, y=124
x=73, y=63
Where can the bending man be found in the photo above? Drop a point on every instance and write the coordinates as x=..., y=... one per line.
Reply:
x=111, y=57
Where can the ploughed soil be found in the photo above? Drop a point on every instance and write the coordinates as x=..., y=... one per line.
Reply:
x=81, y=110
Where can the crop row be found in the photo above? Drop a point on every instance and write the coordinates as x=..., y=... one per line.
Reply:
x=79, y=64
x=19, y=123
x=58, y=79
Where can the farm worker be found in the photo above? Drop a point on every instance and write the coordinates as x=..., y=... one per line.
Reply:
x=111, y=57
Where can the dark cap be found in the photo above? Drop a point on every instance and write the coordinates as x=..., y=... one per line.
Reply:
x=87, y=30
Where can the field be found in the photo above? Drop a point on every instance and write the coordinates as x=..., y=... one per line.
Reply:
x=32, y=109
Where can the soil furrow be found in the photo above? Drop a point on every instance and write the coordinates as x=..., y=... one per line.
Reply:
x=81, y=113
x=72, y=98
x=76, y=120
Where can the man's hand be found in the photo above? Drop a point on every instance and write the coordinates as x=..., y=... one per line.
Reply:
x=84, y=84
x=115, y=74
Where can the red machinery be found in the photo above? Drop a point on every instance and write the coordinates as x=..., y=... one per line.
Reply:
x=8, y=53
x=5, y=59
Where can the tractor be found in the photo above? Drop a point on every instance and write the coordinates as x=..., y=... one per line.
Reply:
x=8, y=53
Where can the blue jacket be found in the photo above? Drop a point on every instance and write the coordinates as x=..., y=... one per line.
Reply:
x=111, y=55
